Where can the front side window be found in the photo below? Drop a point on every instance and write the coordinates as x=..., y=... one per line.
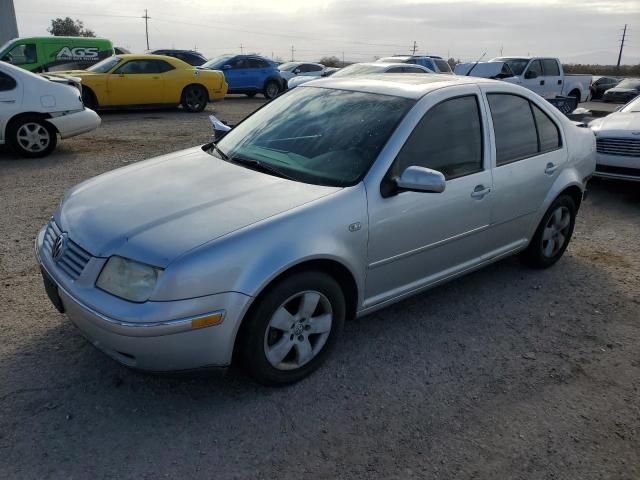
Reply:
x=22, y=54
x=550, y=67
x=317, y=135
x=521, y=128
x=447, y=139
x=6, y=82
x=139, y=67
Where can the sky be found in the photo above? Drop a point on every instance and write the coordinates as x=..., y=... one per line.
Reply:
x=577, y=31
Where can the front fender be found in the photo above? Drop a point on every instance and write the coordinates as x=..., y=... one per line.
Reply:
x=247, y=260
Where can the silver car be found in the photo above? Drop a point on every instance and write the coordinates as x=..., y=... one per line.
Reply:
x=330, y=202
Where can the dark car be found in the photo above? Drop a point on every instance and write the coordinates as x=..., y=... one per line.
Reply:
x=601, y=85
x=249, y=74
x=432, y=62
x=190, y=56
x=625, y=91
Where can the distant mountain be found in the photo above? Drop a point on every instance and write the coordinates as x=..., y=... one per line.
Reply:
x=601, y=58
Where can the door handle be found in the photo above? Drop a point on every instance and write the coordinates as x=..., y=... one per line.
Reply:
x=155, y=78
x=550, y=168
x=559, y=82
x=541, y=82
x=480, y=191
x=7, y=101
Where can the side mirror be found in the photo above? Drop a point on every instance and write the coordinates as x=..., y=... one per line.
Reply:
x=530, y=74
x=220, y=129
x=296, y=71
x=421, y=179
x=226, y=67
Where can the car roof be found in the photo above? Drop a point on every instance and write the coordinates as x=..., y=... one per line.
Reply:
x=400, y=84
x=150, y=56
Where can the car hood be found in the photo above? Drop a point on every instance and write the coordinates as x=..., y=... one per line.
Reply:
x=622, y=122
x=156, y=210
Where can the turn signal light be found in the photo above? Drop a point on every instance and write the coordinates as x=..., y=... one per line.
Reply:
x=207, y=321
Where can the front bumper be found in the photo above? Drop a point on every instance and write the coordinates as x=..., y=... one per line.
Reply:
x=155, y=336
x=76, y=123
x=617, y=167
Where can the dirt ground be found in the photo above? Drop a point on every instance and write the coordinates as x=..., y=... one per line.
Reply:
x=507, y=373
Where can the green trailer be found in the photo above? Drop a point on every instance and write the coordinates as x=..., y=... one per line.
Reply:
x=44, y=54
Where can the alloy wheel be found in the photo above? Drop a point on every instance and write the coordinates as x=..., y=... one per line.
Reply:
x=556, y=232
x=195, y=98
x=33, y=137
x=298, y=330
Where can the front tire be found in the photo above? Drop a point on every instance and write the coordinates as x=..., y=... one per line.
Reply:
x=32, y=136
x=271, y=89
x=194, y=98
x=552, y=235
x=292, y=328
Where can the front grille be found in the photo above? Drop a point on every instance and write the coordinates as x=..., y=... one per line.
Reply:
x=73, y=258
x=625, y=147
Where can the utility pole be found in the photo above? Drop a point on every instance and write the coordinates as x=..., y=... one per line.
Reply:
x=146, y=26
x=501, y=47
x=624, y=35
x=343, y=58
x=415, y=47
x=292, y=50
x=241, y=49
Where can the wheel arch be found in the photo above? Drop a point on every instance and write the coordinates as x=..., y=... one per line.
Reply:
x=194, y=84
x=18, y=116
x=335, y=269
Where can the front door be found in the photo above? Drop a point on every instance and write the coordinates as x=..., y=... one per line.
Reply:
x=136, y=82
x=533, y=78
x=529, y=156
x=417, y=239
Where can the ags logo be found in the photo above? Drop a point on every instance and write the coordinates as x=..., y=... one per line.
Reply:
x=78, y=53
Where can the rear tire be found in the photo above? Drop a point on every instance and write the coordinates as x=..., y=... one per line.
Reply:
x=292, y=328
x=89, y=98
x=553, y=234
x=194, y=98
x=31, y=136
x=251, y=94
x=575, y=94
x=271, y=89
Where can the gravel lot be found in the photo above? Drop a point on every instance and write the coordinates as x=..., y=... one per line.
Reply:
x=507, y=373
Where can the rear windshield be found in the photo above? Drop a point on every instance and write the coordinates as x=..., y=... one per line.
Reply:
x=442, y=65
x=630, y=83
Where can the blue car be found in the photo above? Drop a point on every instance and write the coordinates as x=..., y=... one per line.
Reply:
x=432, y=62
x=249, y=74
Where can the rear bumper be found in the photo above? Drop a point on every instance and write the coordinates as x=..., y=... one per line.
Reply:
x=76, y=123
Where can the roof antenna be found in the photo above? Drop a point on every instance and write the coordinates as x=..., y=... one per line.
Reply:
x=477, y=62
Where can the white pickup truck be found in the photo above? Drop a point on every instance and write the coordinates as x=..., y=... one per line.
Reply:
x=542, y=75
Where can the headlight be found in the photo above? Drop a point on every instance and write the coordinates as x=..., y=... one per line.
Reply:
x=128, y=279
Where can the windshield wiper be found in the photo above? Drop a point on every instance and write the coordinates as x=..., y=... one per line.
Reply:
x=260, y=166
x=220, y=152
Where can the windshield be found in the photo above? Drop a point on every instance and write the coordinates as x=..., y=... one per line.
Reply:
x=218, y=62
x=358, y=69
x=105, y=65
x=285, y=67
x=7, y=45
x=629, y=83
x=517, y=65
x=632, y=106
x=316, y=135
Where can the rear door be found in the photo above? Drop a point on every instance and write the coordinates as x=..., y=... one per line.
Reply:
x=529, y=154
x=533, y=78
x=257, y=72
x=552, y=77
x=10, y=99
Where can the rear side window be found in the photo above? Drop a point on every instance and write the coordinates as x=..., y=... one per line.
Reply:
x=162, y=66
x=548, y=132
x=314, y=68
x=536, y=67
x=521, y=128
x=550, y=67
x=514, y=128
x=447, y=139
x=256, y=63
x=6, y=82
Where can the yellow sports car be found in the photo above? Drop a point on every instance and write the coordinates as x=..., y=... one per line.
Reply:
x=148, y=80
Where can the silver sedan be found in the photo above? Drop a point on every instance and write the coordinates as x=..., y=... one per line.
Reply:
x=332, y=201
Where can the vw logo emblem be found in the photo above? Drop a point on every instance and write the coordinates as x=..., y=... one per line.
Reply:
x=59, y=247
